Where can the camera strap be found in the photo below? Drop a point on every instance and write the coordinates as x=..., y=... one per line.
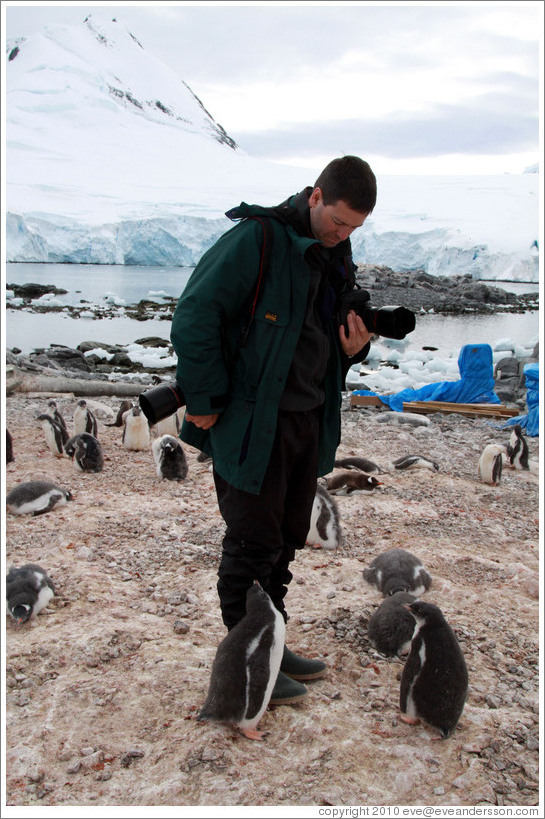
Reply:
x=263, y=265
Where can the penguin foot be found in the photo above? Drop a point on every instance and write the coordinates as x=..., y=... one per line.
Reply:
x=253, y=733
x=409, y=720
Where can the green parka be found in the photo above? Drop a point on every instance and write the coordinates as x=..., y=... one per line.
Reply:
x=244, y=384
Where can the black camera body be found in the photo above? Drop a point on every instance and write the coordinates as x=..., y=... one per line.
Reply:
x=161, y=401
x=391, y=321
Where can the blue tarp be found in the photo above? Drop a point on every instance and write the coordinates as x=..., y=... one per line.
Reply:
x=530, y=421
x=476, y=384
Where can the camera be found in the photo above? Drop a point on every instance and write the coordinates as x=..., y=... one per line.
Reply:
x=161, y=401
x=391, y=321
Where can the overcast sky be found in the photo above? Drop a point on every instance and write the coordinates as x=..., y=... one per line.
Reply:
x=412, y=87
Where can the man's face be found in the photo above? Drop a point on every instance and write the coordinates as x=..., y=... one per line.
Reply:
x=334, y=223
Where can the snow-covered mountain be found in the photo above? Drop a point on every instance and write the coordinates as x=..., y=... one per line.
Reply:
x=111, y=158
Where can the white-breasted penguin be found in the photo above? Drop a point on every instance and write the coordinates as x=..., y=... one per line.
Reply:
x=86, y=452
x=357, y=462
x=124, y=408
x=53, y=410
x=36, y=497
x=136, y=431
x=169, y=458
x=170, y=425
x=351, y=482
x=518, y=449
x=434, y=681
x=325, y=526
x=491, y=463
x=28, y=591
x=55, y=436
x=415, y=462
x=397, y=570
x=246, y=666
x=84, y=419
x=390, y=628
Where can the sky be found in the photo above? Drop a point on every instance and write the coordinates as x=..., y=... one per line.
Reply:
x=449, y=87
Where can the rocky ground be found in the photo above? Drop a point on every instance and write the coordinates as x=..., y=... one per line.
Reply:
x=104, y=686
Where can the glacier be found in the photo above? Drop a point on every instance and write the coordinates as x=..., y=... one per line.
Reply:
x=112, y=159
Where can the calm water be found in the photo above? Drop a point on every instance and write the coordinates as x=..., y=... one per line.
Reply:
x=27, y=331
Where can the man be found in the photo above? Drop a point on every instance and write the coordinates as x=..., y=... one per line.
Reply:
x=262, y=362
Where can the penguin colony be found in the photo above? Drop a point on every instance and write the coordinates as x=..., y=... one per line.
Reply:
x=434, y=682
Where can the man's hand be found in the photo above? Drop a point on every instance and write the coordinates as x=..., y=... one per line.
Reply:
x=358, y=334
x=202, y=421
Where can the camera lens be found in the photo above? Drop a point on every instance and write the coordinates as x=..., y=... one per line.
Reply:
x=161, y=401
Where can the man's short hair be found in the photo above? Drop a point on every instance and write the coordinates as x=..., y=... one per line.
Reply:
x=351, y=179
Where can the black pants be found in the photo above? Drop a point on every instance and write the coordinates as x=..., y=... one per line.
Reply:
x=263, y=531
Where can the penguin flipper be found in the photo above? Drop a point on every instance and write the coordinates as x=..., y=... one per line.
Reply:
x=411, y=670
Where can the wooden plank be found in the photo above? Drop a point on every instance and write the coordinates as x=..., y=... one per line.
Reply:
x=366, y=401
x=474, y=410
x=494, y=410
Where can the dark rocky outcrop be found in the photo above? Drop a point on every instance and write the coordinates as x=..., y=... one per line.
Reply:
x=418, y=290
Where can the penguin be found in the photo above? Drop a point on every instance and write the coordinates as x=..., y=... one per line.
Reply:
x=36, y=497
x=136, y=431
x=354, y=462
x=169, y=457
x=391, y=627
x=351, y=482
x=491, y=463
x=246, y=666
x=28, y=591
x=86, y=452
x=398, y=570
x=54, y=412
x=434, y=680
x=168, y=426
x=55, y=436
x=415, y=462
x=518, y=449
x=121, y=414
x=9, y=447
x=325, y=528
x=84, y=419
x=203, y=457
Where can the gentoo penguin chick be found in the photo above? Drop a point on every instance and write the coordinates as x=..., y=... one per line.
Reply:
x=136, y=432
x=169, y=457
x=36, y=497
x=391, y=627
x=121, y=414
x=355, y=462
x=325, y=528
x=398, y=570
x=54, y=412
x=434, y=681
x=518, y=449
x=415, y=462
x=84, y=419
x=86, y=452
x=491, y=463
x=9, y=447
x=28, y=591
x=55, y=436
x=246, y=666
x=351, y=482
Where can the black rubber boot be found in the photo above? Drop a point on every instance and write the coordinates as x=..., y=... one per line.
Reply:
x=298, y=668
x=287, y=691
